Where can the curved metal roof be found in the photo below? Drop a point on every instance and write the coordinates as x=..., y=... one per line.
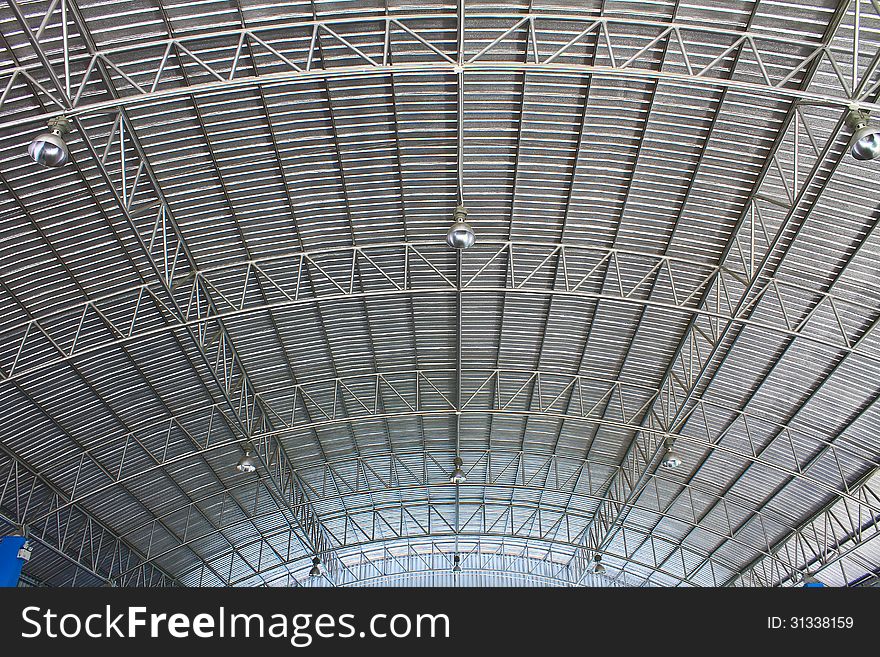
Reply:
x=248, y=246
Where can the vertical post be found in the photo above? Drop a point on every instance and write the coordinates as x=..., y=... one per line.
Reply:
x=14, y=552
x=460, y=171
x=460, y=103
x=458, y=396
x=65, y=40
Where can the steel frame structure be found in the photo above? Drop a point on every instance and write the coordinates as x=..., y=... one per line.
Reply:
x=486, y=562
x=500, y=471
x=75, y=535
x=798, y=193
x=308, y=529
x=483, y=564
x=743, y=291
x=408, y=268
x=294, y=48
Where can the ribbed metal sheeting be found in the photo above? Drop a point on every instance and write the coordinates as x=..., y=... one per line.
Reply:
x=484, y=562
x=157, y=308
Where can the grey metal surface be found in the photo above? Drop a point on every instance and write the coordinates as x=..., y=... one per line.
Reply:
x=248, y=246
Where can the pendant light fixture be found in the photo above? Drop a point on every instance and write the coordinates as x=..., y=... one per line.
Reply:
x=458, y=476
x=248, y=462
x=460, y=235
x=49, y=148
x=865, y=142
x=671, y=458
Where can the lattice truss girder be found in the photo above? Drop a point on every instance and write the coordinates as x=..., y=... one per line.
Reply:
x=572, y=396
x=484, y=562
x=837, y=542
x=320, y=404
x=625, y=47
x=745, y=292
x=203, y=299
x=303, y=524
x=567, y=484
x=783, y=198
x=66, y=530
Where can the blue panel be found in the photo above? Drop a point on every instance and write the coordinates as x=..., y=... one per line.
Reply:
x=10, y=564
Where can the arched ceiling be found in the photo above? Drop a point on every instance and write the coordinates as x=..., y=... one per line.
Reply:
x=248, y=247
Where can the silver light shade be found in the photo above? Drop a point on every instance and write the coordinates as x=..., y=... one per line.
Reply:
x=456, y=561
x=49, y=149
x=865, y=142
x=458, y=476
x=247, y=463
x=599, y=569
x=460, y=235
x=671, y=459
x=315, y=570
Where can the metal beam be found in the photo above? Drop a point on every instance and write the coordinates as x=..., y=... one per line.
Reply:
x=505, y=473
x=144, y=311
x=556, y=35
x=822, y=540
x=703, y=346
x=29, y=500
x=782, y=434
x=505, y=522
x=484, y=563
x=121, y=196
x=225, y=363
x=254, y=415
x=504, y=392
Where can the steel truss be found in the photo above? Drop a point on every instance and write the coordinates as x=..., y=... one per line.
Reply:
x=202, y=299
x=423, y=44
x=517, y=393
x=721, y=301
x=824, y=541
x=793, y=194
x=29, y=501
x=498, y=470
x=503, y=562
x=419, y=569
x=114, y=170
x=499, y=527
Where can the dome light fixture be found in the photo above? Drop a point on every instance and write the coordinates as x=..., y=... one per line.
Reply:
x=49, y=148
x=460, y=235
x=247, y=463
x=599, y=569
x=671, y=458
x=865, y=142
x=458, y=476
x=456, y=564
x=315, y=570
